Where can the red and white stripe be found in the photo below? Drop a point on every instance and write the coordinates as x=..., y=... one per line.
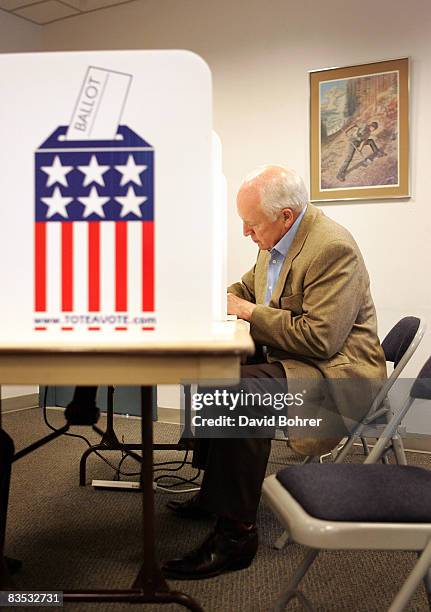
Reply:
x=94, y=267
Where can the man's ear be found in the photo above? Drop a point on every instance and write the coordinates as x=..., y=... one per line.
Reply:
x=288, y=216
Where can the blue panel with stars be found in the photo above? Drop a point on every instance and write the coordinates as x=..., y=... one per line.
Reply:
x=89, y=180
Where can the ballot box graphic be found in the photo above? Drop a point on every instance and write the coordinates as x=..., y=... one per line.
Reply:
x=94, y=197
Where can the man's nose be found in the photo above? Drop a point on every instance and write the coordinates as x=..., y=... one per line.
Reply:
x=246, y=230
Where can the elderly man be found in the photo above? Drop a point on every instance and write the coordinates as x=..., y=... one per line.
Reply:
x=308, y=302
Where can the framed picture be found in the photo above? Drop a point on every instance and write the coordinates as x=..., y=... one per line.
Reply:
x=359, y=132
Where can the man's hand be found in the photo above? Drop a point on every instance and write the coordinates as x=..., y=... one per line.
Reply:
x=239, y=307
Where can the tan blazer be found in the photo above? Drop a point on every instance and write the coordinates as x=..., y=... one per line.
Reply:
x=320, y=322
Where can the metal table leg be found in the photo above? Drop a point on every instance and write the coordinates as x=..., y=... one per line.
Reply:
x=150, y=585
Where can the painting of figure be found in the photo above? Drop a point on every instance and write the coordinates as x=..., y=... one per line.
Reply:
x=359, y=123
x=359, y=131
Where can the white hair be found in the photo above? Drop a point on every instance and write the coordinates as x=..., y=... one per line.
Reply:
x=279, y=188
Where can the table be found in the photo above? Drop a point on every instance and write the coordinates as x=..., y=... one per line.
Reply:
x=161, y=361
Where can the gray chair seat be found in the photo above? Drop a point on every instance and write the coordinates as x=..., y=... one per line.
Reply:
x=367, y=493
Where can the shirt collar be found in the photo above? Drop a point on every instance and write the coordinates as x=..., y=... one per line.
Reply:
x=284, y=244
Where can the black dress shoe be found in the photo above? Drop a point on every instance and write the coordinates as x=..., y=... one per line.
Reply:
x=186, y=444
x=81, y=414
x=13, y=565
x=190, y=509
x=222, y=551
x=82, y=410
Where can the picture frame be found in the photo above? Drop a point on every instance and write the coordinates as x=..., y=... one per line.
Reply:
x=359, y=132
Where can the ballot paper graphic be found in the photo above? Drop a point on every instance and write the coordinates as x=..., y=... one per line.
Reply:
x=99, y=105
x=94, y=222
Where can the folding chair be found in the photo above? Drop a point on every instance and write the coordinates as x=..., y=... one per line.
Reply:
x=367, y=506
x=399, y=345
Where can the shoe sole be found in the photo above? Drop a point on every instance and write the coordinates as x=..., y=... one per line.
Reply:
x=239, y=564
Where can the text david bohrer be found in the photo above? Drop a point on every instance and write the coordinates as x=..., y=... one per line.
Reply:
x=236, y=400
x=279, y=420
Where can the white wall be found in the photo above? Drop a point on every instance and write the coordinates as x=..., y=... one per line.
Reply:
x=17, y=391
x=259, y=54
x=17, y=35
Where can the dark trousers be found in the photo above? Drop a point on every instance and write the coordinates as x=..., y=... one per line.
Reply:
x=6, y=453
x=235, y=467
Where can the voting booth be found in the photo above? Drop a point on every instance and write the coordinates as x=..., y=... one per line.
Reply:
x=113, y=214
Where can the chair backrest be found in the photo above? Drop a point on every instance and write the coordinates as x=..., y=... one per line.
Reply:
x=399, y=345
x=421, y=388
x=400, y=338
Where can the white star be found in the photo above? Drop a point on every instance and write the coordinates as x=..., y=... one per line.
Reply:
x=56, y=203
x=93, y=203
x=131, y=171
x=130, y=203
x=93, y=172
x=57, y=172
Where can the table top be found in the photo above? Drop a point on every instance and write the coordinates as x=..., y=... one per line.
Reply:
x=158, y=360
x=225, y=337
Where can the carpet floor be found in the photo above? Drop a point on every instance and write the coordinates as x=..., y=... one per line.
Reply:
x=78, y=537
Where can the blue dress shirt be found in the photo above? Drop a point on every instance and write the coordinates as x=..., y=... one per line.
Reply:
x=278, y=254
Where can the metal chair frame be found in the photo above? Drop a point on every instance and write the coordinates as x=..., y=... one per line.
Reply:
x=381, y=406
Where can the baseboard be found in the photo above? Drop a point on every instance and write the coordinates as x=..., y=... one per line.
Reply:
x=418, y=443
x=20, y=402
x=164, y=415
x=168, y=415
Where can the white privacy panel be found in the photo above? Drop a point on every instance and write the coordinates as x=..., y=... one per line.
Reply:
x=107, y=211
x=219, y=233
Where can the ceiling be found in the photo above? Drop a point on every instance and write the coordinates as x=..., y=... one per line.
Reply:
x=43, y=12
